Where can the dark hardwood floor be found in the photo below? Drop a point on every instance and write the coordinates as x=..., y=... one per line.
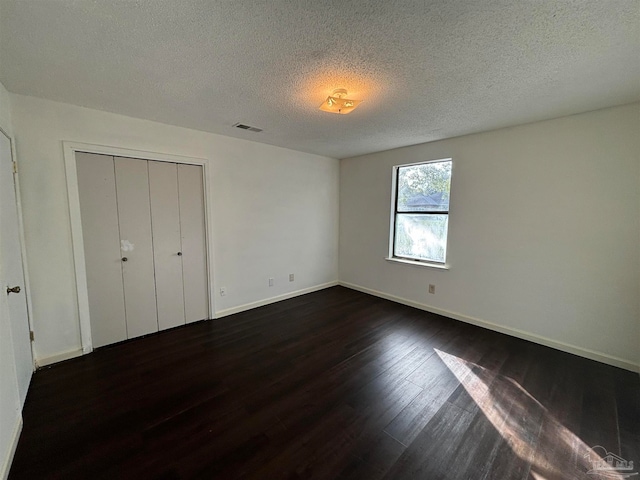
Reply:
x=334, y=385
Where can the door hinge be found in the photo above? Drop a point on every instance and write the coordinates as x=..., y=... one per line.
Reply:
x=15, y=167
x=32, y=337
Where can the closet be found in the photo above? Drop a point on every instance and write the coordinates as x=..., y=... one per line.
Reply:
x=144, y=243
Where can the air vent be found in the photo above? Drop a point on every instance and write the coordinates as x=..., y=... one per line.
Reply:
x=247, y=127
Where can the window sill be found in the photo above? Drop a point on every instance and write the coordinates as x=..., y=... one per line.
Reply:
x=416, y=263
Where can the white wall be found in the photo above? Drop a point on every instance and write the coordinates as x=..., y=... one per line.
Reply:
x=544, y=232
x=10, y=404
x=525, y=254
x=275, y=211
x=5, y=111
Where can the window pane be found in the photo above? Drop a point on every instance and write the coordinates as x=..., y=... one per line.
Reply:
x=423, y=237
x=425, y=187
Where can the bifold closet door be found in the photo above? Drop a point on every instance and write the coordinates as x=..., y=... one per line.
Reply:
x=136, y=245
x=144, y=235
x=194, y=250
x=167, y=249
x=99, y=214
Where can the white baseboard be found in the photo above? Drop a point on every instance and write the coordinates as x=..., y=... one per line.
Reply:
x=6, y=463
x=267, y=301
x=43, y=362
x=514, y=332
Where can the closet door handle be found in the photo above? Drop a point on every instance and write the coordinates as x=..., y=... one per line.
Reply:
x=13, y=290
x=124, y=259
x=179, y=254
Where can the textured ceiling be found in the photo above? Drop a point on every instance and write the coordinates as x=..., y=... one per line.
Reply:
x=426, y=69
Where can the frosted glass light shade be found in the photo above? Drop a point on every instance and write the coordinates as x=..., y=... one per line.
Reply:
x=336, y=103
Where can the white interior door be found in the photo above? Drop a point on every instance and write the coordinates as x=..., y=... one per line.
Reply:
x=134, y=215
x=99, y=213
x=11, y=270
x=167, y=250
x=194, y=250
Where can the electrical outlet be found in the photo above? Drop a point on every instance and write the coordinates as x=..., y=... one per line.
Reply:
x=223, y=291
x=271, y=281
x=432, y=288
x=291, y=277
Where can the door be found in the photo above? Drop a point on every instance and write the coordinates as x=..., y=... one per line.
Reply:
x=194, y=248
x=100, y=232
x=144, y=242
x=11, y=269
x=167, y=251
x=136, y=244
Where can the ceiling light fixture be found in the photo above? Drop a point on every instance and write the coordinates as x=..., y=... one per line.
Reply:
x=337, y=103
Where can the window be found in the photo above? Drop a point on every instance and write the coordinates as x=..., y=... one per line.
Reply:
x=421, y=211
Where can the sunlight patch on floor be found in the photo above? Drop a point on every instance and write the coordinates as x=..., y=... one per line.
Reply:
x=529, y=429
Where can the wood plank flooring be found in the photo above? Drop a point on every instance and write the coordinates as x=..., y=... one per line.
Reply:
x=331, y=385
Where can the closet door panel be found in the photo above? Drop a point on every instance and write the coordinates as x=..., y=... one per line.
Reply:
x=194, y=250
x=99, y=215
x=132, y=184
x=163, y=184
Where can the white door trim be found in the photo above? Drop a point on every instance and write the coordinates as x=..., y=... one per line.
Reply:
x=25, y=270
x=70, y=149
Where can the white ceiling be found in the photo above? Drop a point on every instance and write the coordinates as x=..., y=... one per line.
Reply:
x=426, y=70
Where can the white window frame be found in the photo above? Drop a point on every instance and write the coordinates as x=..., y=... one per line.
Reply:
x=392, y=223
